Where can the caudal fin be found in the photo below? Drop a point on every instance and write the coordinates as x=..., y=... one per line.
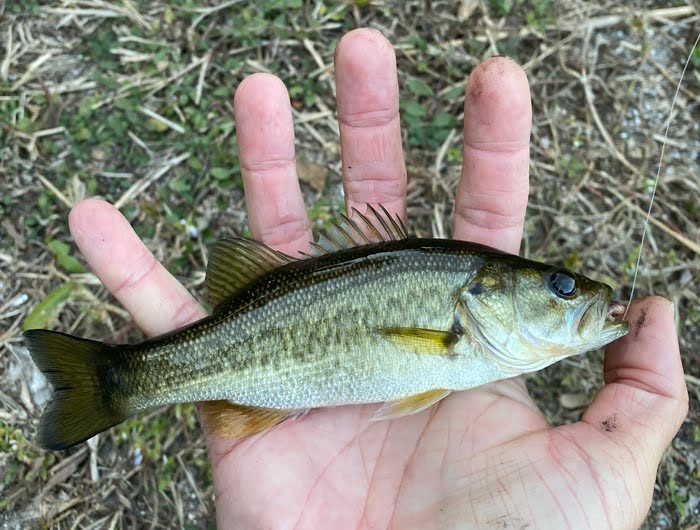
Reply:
x=82, y=404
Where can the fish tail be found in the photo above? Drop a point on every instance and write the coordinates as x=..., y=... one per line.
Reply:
x=83, y=404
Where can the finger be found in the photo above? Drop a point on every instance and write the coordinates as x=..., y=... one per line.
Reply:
x=156, y=300
x=368, y=112
x=265, y=133
x=644, y=400
x=647, y=357
x=493, y=188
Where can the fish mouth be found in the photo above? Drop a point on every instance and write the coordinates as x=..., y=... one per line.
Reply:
x=613, y=326
x=616, y=310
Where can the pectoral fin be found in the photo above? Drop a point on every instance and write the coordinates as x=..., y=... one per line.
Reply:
x=420, y=340
x=224, y=419
x=409, y=405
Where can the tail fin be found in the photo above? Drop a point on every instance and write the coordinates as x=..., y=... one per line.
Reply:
x=82, y=404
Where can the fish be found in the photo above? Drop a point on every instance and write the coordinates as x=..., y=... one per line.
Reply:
x=370, y=315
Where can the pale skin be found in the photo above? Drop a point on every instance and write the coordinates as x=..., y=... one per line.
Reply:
x=483, y=458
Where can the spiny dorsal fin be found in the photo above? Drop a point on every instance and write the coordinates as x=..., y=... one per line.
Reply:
x=420, y=340
x=235, y=263
x=374, y=226
x=409, y=405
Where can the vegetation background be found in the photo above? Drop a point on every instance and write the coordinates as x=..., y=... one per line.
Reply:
x=131, y=100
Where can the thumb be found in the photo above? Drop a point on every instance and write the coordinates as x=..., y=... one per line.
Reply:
x=644, y=400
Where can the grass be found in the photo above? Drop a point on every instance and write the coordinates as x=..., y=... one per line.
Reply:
x=132, y=100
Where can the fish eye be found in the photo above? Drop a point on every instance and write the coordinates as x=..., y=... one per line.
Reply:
x=562, y=283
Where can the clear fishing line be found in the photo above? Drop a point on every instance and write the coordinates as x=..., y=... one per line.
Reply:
x=658, y=174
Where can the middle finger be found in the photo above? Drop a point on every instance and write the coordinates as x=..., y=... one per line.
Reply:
x=275, y=205
x=368, y=113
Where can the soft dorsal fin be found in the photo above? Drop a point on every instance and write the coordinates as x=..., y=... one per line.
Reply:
x=374, y=226
x=235, y=263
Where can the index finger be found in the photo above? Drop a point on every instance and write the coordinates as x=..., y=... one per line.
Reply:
x=493, y=188
x=153, y=297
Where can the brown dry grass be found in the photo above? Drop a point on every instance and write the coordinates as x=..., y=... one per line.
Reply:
x=130, y=100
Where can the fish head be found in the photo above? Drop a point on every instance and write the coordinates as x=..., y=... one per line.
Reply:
x=528, y=315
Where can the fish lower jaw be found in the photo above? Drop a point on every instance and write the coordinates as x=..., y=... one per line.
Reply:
x=612, y=330
x=514, y=362
x=517, y=367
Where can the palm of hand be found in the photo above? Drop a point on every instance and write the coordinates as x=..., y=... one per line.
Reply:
x=337, y=468
x=479, y=459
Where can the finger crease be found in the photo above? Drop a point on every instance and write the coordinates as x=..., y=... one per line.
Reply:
x=375, y=118
x=138, y=275
x=488, y=218
x=267, y=164
x=285, y=232
x=374, y=189
x=497, y=147
x=185, y=312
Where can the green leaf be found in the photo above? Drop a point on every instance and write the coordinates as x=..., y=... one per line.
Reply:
x=195, y=163
x=168, y=15
x=502, y=7
x=454, y=92
x=443, y=120
x=413, y=108
x=45, y=312
x=181, y=185
x=220, y=173
x=677, y=498
x=419, y=87
x=62, y=252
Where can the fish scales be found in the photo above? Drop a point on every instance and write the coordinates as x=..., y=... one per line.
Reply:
x=307, y=336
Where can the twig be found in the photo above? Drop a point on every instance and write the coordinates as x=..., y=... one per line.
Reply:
x=144, y=183
x=161, y=119
x=46, y=182
x=209, y=11
x=200, y=79
x=317, y=58
x=689, y=243
x=31, y=69
x=5, y=66
x=588, y=91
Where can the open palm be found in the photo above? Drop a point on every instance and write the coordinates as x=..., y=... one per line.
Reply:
x=483, y=458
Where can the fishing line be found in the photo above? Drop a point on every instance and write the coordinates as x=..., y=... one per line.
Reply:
x=658, y=174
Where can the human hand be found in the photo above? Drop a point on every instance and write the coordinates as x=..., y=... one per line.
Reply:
x=481, y=458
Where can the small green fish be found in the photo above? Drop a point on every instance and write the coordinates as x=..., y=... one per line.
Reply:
x=374, y=316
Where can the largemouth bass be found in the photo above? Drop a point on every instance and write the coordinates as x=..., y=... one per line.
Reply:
x=374, y=316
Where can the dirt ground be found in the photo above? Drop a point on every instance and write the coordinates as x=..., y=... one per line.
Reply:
x=132, y=101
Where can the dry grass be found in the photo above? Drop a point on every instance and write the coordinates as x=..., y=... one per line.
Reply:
x=130, y=100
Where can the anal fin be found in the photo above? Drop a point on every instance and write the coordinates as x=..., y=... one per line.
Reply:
x=409, y=405
x=227, y=420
